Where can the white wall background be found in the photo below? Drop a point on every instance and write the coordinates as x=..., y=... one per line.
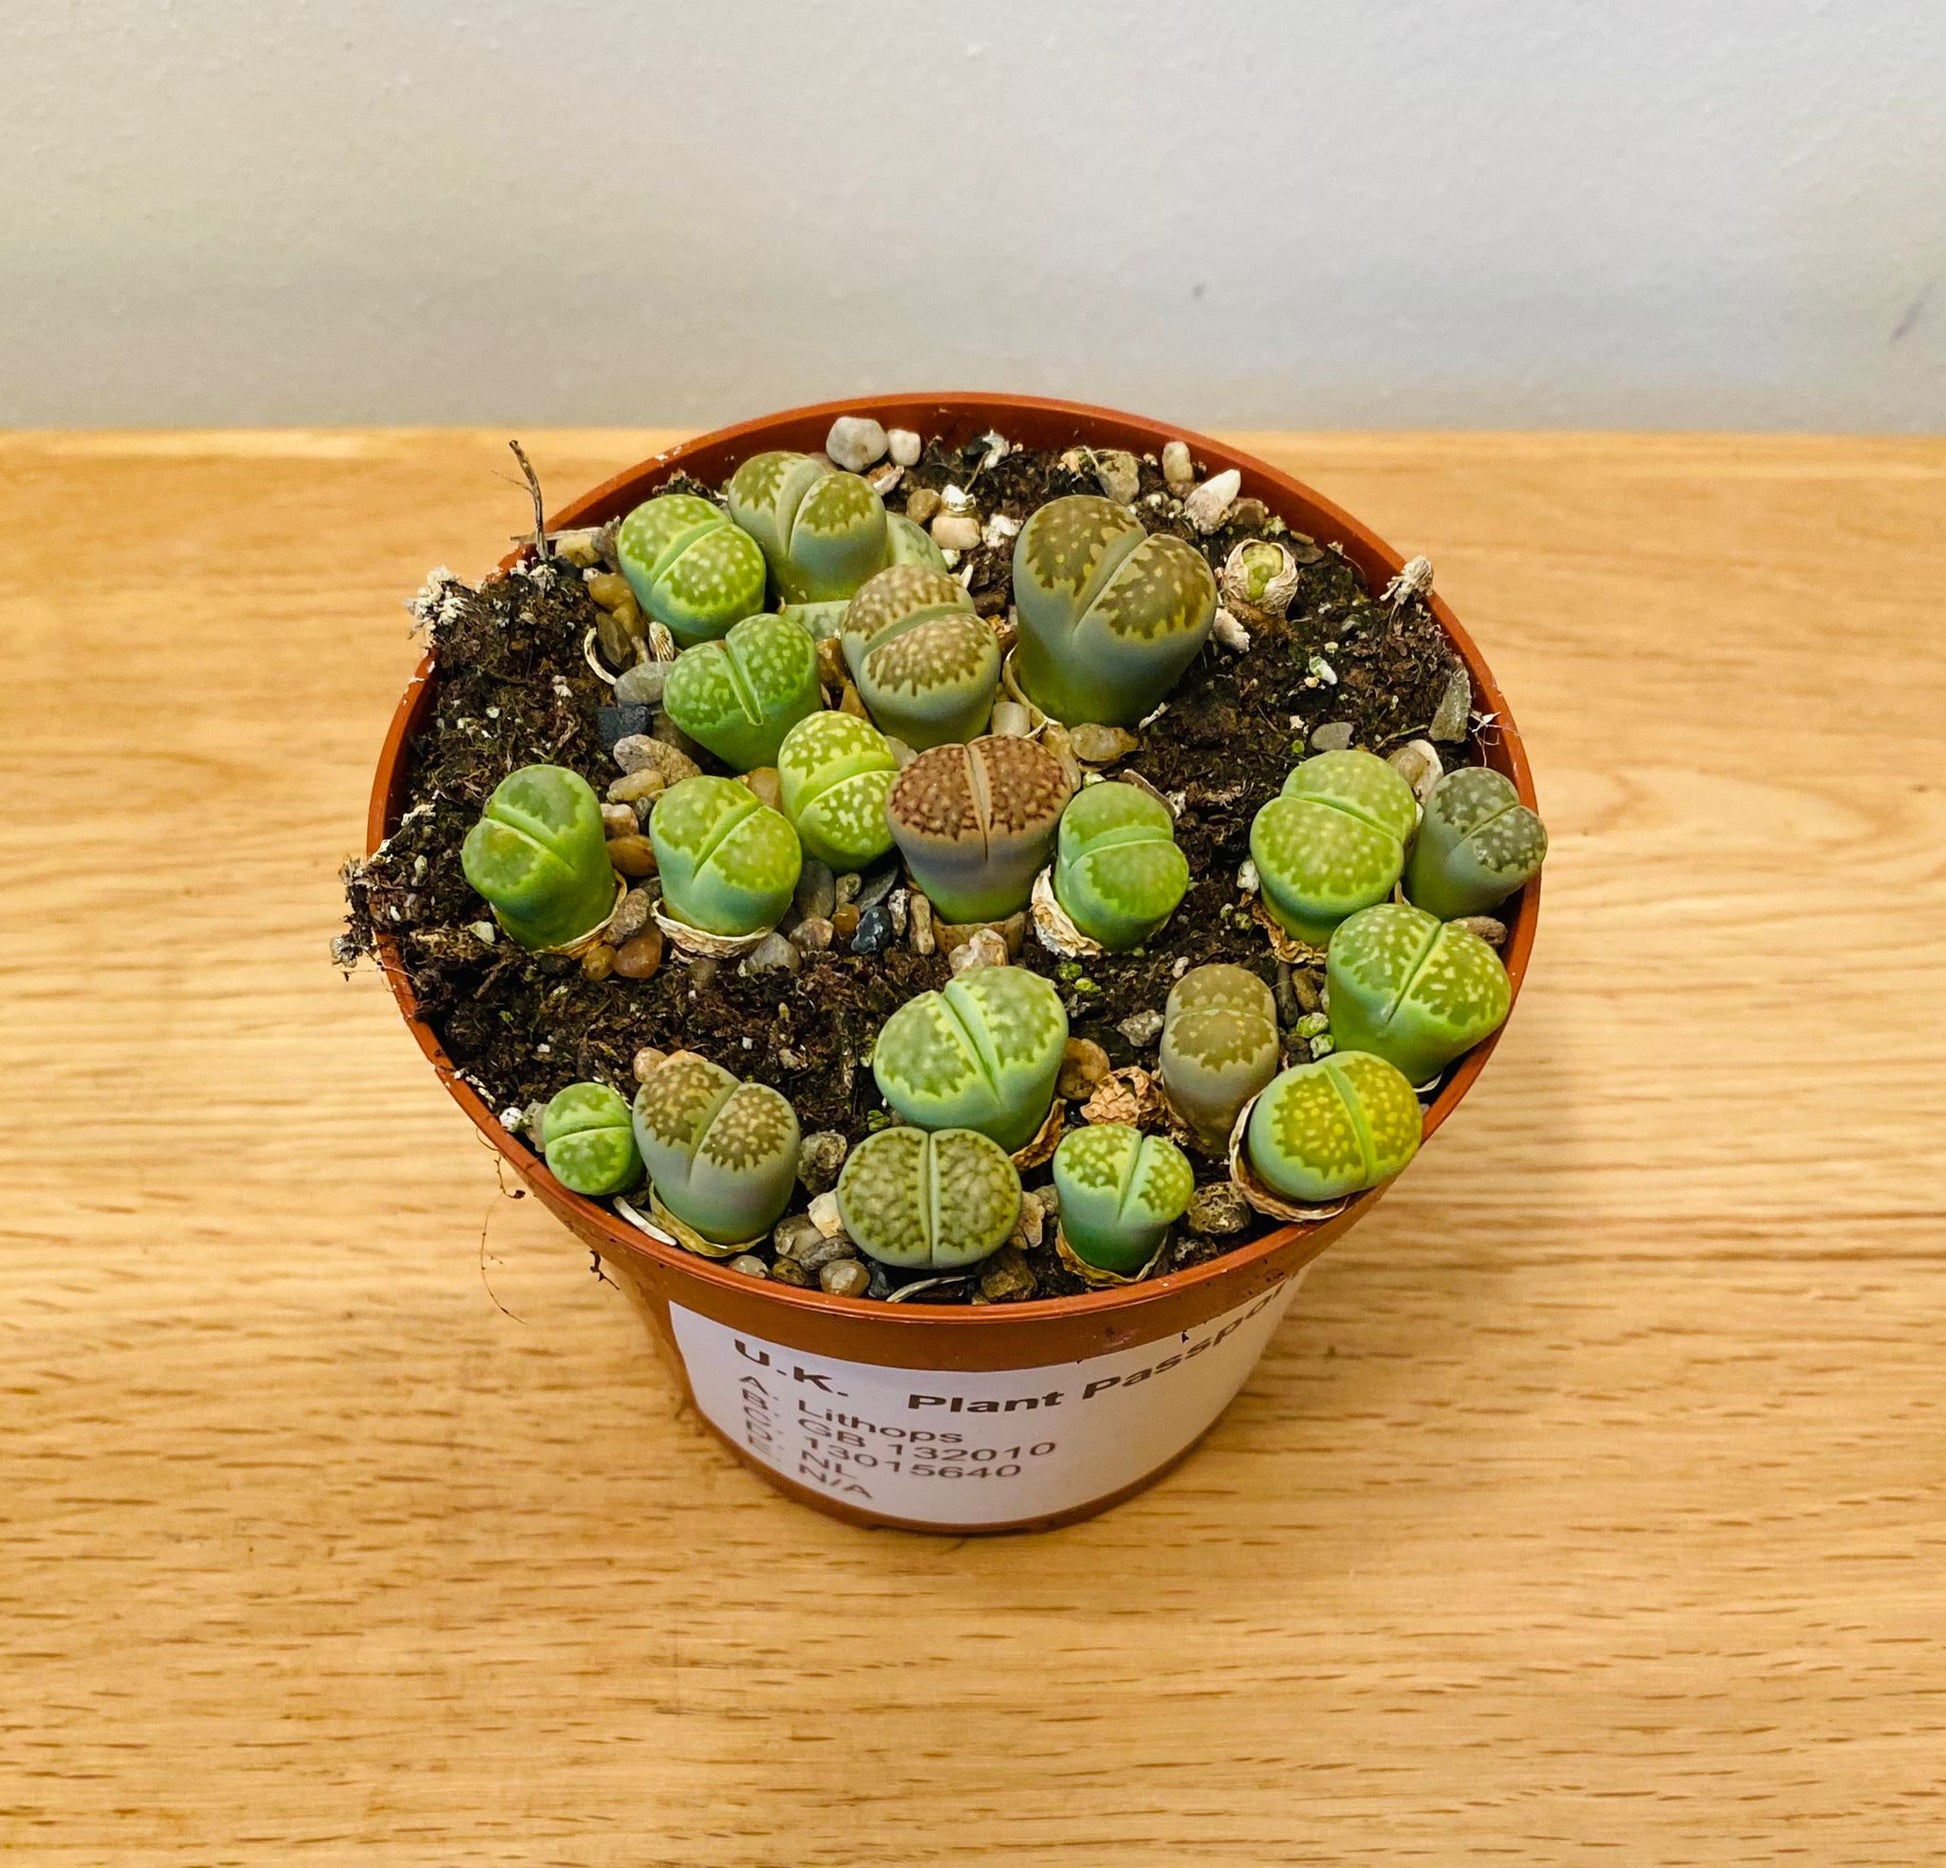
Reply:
x=1679, y=213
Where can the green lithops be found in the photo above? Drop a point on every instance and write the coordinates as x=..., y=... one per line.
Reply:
x=1413, y=989
x=1219, y=1048
x=1120, y=1191
x=728, y=863
x=1325, y=1130
x=982, y=1053
x=1332, y=841
x=740, y=696
x=1476, y=845
x=589, y=1140
x=976, y=823
x=539, y=857
x=929, y=1201
x=908, y=543
x=1110, y=615
x=722, y=1153
x=821, y=532
x=835, y=772
x=1117, y=870
x=925, y=662
x=689, y=565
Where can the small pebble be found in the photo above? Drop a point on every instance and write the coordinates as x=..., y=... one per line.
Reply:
x=619, y=820
x=831, y=661
x=849, y=702
x=1006, y=1277
x=631, y=916
x=749, y=1265
x=1333, y=736
x=793, y=1234
x=1208, y=506
x=581, y=549
x=768, y=787
x=955, y=531
x=1119, y=475
x=643, y=752
x=616, y=634
x=639, y=958
x=642, y=685
x=855, y=441
x=770, y=953
x=1050, y=1199
x=1217, y=1209
x=844, y=924
x=846, y=1277
x=845, y=888
x=874, y=885
x=610, y=589
x=1177, y=467
x=1419, y=764
x=1312, y=1024
x=598, y=962
x=825, y=1215
x=789, y=1271
x=1230, y=633
x=622, y=722
x=1304, y=989
x=1248, y=881
x=1490, y=930
x=633, y=855
x=923, y=941
x=1083, y=1064
x=983, y=947
x=1250, y=513
x=1031, y=1226
x=874, y=930
x=1102, y=745
x=904, y=446
x=921, y=504
x=1011, y=720
x=1288, y=1009
x=885, y=477
x=646, y=1060
x=1455, y=708
x=1141, y=1029
x=819, y=1157
x=812, y=934
x=817, y=892
x=823, y=1251
x=640, y=789
x=898, y=906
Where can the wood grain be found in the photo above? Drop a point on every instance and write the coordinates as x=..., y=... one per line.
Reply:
x=1587, y=1509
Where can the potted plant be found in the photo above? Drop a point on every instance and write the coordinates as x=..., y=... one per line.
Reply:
x=957, y=900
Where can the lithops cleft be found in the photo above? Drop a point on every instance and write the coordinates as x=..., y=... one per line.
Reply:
x=1412, y=989
x=1477, y=843
x=740, y=696
x=728, y=863
x=1117, y=870
x=690, y=567
x=821, y=532
x=983, y=1052
x=1325, y=1130
x=1120, y=1191
x=836, y=772
x=722, y=1153
x=926, y=1201
x=589, y=1141
x=976, y=822
x=1110, y=615
x=1332, y=841
x=925, y=662
x=1219, y=1048
x=539, y=857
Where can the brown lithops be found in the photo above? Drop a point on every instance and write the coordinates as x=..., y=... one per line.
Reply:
x=976, y=822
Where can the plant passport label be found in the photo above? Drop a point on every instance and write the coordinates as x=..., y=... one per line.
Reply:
x=983, y=1448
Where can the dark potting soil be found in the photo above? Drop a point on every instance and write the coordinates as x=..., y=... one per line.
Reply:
x=514, y=688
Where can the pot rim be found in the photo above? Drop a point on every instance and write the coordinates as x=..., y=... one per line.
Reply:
x=948, y=411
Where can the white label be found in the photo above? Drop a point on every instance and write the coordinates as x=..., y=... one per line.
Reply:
x=993, y=1447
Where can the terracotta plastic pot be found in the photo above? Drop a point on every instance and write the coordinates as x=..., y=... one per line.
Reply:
x=977, y=1418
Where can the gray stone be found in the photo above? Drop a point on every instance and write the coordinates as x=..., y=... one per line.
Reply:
x=1216, y=1210
x=643, y=684
x=875, y=884
x=770, y=953
x=1141, y=1029
x=816, y=890
x=855, y=441
x=846, y=1277
x=819, y=1157
x=1119, y=475
x=1455, y=708
x=904, y=446
x=874, y=930
x=1333, y=736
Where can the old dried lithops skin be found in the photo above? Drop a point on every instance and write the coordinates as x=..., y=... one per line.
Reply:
x=927, y=1201
x=1259, y=579
x=1110, y=616
x=1332, y=842
x=984, y=1052
x=740, y=696
x=690, y=568
x=1325, y=1130
x=1117, y=870
x=539, y=857
x=589, y=1141
x=836, y=772
x=1121, y=1191
x=975, y=822
x=728, y=864
x=722, y=1154
x=1219, y=1048
x=1477, y=843
x=1413, y=989
x=925, y=662
x=821, y=532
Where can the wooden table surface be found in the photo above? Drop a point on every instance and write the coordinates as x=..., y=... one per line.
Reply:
x=1588, y=1508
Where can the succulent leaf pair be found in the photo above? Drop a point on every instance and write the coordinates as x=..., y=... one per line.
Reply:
x=690, y=566
x=925, y=662
x=1332, y=841
x=929, y=1200
x=1476, y=845
x=1120, y=1192
x=1110, y=615
x=835, y=772
x=822, y=532
x=741, y=695
x=728, y=862
x=1335, y=1127
x=722, y=1153
x=975, y=823
x=1219, y=1048
x=589, y=1141
x=982, y=1053
x=1412, y=989
x=539, y=857
x=1117, y=870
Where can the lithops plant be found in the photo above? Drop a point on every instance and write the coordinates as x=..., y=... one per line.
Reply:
x=1413, y=989
x=976, y=822
x=1335, y=1127
x=925, y=662
x=690, y=567
x=1110, y=615
x=721, y=1153
x=539, y=858
x=983, y=1052
x=1219, y=1048
x=589, y=1140
x=728, y=863
x=821, y=532
x=1332, y=842
x=835, y=772
x=1117, y=870
x=740, y=696
x=1477, y=843
x=1120, y=1192
x=929, y=1201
